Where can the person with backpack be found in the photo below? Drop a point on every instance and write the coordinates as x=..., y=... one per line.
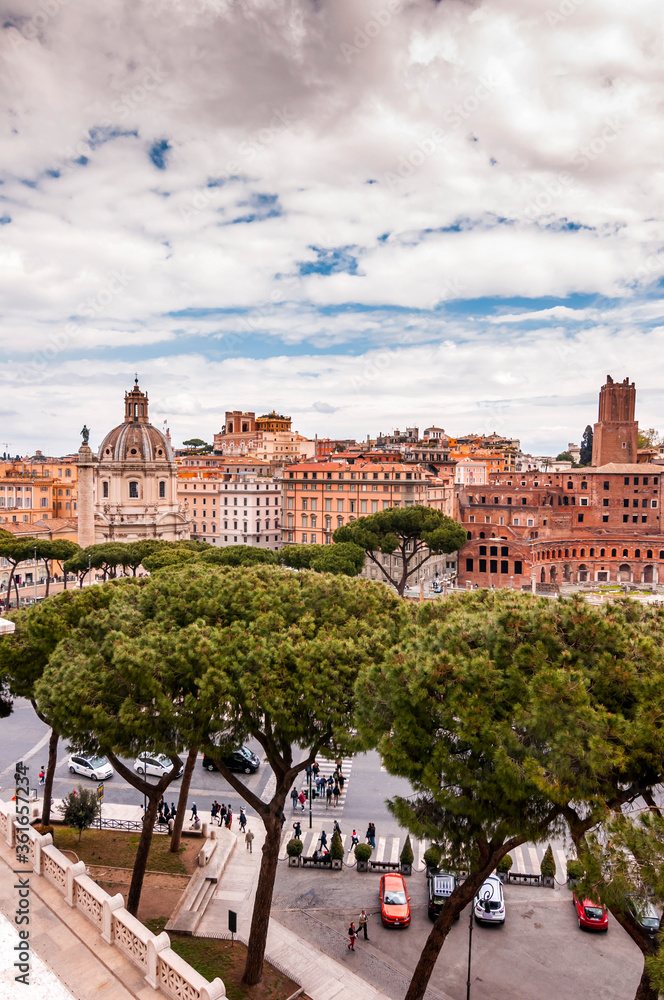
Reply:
x=323, y=840
x=352, y=934
x=328, y=796
x=242, y=820
x=294, y=797
x=297, y=830
x=222, y=814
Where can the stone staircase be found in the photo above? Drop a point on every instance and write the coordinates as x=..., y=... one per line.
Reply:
x=213, y=858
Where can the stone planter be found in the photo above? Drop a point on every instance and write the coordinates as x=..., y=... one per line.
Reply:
x=406, y=869
x=294, y=861
x=548, y=881
x=337, y=863
x=363, y=866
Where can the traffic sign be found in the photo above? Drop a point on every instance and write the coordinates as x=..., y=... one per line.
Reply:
x=100, y=792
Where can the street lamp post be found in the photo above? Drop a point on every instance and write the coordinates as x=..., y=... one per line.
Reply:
x=35, y=572
x=470, y=949
x=90, y=569
x=310, y=800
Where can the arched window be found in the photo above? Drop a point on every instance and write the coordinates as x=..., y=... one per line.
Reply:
x=204, y=527
x=649, y=554
x=592, y=553
x=582, y=553
x=625, y=552
x=601, y=553
x=637, y=553
x=614, y=553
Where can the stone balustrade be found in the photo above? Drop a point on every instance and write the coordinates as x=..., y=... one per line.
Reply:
x=164, y=970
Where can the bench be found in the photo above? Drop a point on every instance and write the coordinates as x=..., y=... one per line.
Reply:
x=312, y=862
x=384, y=866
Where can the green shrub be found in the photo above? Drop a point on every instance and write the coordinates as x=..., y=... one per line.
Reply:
x=575, y=868
x=407, y=856
x=548, y=866
x=432, y=856
x=337, y=848
x=362, y=852
x=504, y=864
x=294, y=848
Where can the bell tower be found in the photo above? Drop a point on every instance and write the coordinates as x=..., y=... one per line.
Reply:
x=615, y=436
x=136, y=405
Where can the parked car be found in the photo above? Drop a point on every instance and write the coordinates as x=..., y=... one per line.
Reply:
x=155, y=764
x=645, y=914
x=394, y=900
x=441, y=885
x=97, y=768
x=241, y=759
x=591, y=916
x=489, y=903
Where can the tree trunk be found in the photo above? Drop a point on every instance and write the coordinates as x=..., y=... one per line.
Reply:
x=182, y=799
x=8, y=602
x=645, y=990
x=48, y=578
x=142, y=854
x=16, y=589
x=253, y=970
x=50, y=773
x=65, y=576
x=438, y=934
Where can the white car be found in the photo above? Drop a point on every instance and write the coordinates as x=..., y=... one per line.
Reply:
x=489, y=903
x=155, y=764
x=97, y=768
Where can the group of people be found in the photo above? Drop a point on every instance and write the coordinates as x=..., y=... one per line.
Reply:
x=164, y=813
x=354, y=931
x=224, y=815
x=330, y=788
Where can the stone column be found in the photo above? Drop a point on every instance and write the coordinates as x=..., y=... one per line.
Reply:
x=86, y=513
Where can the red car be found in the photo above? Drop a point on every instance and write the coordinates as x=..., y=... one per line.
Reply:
x=394, y=899
x=592, y=916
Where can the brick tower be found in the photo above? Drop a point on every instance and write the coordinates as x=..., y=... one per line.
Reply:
x=615, y=435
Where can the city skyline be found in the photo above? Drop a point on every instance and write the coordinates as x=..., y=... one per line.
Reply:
x=365, y=215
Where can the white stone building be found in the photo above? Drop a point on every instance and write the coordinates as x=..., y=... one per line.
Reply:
x=128, y=491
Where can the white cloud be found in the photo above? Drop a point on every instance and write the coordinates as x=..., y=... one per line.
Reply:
x=488, y=130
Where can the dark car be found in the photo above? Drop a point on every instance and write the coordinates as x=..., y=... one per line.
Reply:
x=241, y=759
x=441, y=885
x=645, y=914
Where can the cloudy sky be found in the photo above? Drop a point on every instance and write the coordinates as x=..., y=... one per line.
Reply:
x=364, y=213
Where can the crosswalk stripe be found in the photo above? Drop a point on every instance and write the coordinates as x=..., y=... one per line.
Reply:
x=517, y=858
x=534, y=860
x=380, y=850
x=420, y=848
x=561, y=863
x=394, y=856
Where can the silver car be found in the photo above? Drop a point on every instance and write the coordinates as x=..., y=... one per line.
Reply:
x=489, y=903
x=155, y=764
x=97, y=768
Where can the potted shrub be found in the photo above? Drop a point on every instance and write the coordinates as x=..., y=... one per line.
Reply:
x=337, y=850
x=406, y=858
x=294, y=850
x=362, y=855
x=548, y=867
x=432, y=856
x=575, y=870
x=503, y=867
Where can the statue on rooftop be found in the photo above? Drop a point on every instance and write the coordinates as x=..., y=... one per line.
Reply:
x=85, y=434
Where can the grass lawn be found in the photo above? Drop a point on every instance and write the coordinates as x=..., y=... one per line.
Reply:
x=117, y=849
x=217, y=958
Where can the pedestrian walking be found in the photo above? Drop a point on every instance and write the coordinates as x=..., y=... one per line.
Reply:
x=167, y=812
x=42, y=776
x=371, y=835
x=337, y=828
x=214, y=809
x=336, y=793
x=315, y=769
x=362, y=923
x=229, y=817
x=297, y=830
x=194, y=811
x=242, y=820
x=354, y=840
x=339, y=764
x=341, y=780
x=323, y=840
x=302, y=797
x=249, y=839
x=283, y=820
x=352, y=934
x=222, y=814
x=328, y=796
x=294, y=797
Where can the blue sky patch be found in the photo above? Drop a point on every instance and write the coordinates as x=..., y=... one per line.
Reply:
x=158, y=152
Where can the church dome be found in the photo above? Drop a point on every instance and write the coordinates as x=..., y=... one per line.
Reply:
x=136, y=440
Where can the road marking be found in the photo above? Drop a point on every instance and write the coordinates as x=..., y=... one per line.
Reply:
x=517, y=858
x=534, y=860
x=394, y=856
x=420, y=848
x=26, y=756
x=561, y=862
x=380, y=850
